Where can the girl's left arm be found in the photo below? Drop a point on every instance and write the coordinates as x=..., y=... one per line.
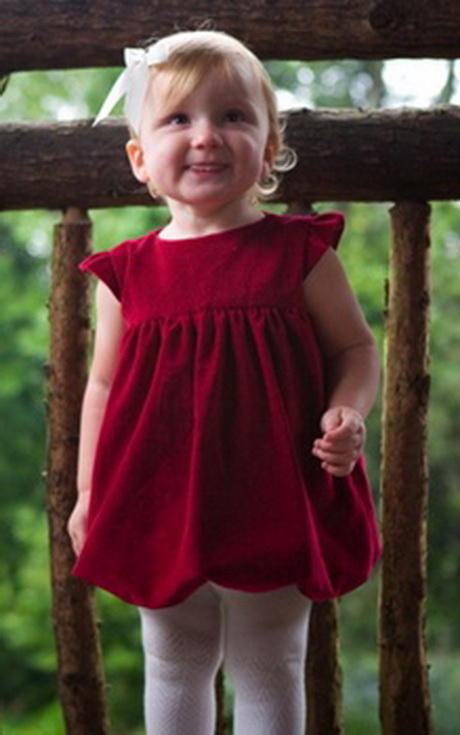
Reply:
x=351, y=361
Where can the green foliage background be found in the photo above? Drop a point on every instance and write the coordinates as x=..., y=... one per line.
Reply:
x=27, y=659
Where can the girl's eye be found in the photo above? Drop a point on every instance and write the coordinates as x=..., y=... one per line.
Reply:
x=235, y=116
x=179, y=118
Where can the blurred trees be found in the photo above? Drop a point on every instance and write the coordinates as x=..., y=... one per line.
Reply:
x=27, y=688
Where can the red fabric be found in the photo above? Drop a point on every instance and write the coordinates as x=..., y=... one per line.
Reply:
x=204, y=468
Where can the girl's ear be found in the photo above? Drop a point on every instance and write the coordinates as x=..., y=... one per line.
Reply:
x=266, y=168
x=269, y=158
x=136, y=158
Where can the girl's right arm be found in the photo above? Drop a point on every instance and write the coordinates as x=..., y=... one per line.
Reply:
x=350, y=360
x=109, y=332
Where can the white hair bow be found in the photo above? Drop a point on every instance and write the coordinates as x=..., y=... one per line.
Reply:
x=132, y=82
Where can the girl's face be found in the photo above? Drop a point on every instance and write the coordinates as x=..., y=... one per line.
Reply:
x=208, y=151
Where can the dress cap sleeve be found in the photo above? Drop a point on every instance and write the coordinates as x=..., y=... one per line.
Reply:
x=102, y=266
x=324, y=232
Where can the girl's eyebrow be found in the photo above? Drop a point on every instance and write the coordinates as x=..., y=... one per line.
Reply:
x=244, y=102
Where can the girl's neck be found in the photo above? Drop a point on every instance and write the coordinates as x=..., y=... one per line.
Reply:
x=187, y=222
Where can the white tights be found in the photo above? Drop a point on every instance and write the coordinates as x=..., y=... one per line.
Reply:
x=262, y=638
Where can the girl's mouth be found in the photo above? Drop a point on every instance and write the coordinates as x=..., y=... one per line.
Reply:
x=207, y=167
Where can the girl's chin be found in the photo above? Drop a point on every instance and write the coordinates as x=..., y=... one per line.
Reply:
x=240, y=208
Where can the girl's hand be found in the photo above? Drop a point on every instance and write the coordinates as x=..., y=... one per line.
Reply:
x=77, y=524
x=344, y=434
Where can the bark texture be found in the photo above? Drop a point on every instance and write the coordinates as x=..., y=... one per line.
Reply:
x=77, y=33
x=80, y=677
x=324, y=676
x=343, y=156
x=404, y=699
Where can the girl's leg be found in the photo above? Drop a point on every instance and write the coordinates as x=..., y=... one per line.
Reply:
x=265, y=651
x=183, y=651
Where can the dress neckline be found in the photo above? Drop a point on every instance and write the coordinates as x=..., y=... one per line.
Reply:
x=213, y=235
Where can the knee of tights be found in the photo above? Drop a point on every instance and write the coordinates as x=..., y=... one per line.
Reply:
x=279, y=653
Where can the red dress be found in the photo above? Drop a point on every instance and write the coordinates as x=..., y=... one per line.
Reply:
x=204, y=468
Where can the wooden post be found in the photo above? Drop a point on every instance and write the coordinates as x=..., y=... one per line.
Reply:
x=80, y=677
x=404, y=698
x=221, y=724
x=324, y=676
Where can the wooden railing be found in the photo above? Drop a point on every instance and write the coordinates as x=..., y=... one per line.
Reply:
x=344, y=155
x=78, y=34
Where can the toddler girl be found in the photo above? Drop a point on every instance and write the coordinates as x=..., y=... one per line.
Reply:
x=221, y=483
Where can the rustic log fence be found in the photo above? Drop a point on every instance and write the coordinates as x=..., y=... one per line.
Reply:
x=346, y=155
x=407, y=157
x=82, y=34
x=80, y=674
x=403, y=664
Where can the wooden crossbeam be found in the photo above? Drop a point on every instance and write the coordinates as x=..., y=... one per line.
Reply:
x=55, y=35
x=343, y=156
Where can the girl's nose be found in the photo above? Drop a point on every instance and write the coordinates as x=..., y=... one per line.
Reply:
x=206, y=134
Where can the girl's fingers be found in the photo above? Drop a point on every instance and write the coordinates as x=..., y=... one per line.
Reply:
x=351, y=444
x=337, y=463
x=338, y=470
x=340, y=446
x=339, y=460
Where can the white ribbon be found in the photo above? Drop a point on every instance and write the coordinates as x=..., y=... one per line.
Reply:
x=132, y=82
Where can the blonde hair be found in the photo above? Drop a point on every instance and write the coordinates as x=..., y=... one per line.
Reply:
x=191, y=54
